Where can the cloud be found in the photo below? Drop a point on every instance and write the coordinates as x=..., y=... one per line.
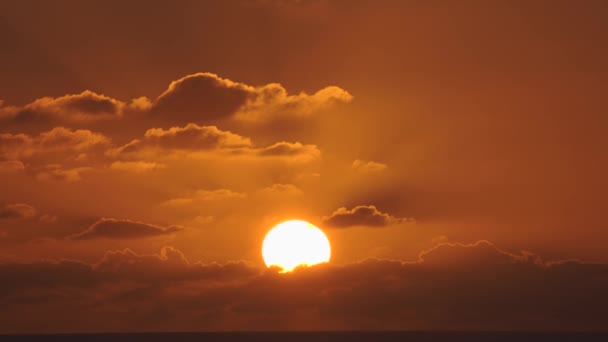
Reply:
x=61, y=138
x=297, y=151
x=200, y=98
x=122, y=229
x=14, y=146
x=57, y=140
x=204, y=196
x=272, y=102
x=194, y=140
x=363, y=215
x=191, y=137
x=204, y=97
x=136, y=166
x=55, y=172
x=17, y=211
x=450, y=287
x=281, y=189
x=368, y=166
x=83, y=107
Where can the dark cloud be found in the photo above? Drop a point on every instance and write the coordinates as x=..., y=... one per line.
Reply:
x=170, y=265
x=450, y=287
x=122, y=229
x=200, y=98
x=363, y=215
x=17, y=211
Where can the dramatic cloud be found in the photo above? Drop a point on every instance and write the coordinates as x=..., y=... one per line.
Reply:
x=122, y=229
x=17, y=211
x=363, y=215
x=450, y=287
x=200, y=98
x=205, y=97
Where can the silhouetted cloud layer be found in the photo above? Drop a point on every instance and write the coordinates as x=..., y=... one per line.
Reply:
x=451, y=286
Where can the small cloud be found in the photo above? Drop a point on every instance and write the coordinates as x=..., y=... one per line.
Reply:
x=141, y=103
x=293, y=150
x=122, y=229
x=17, y=211
x=205, y=195
x=136, y=166
x=368, y=166
x=281, y=189
x=363, y=215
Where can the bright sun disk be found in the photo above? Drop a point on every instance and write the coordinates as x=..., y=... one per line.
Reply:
x=294, y=243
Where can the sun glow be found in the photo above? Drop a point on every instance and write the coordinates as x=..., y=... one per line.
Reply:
x=294, y=243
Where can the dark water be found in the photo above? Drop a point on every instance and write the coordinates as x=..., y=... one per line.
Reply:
x=315, y=337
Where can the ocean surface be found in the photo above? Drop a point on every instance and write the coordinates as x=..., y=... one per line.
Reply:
x=314, y=337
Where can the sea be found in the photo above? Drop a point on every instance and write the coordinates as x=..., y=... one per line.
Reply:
x=316, y=337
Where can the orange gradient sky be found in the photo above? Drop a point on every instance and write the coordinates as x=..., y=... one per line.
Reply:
x=454, y=153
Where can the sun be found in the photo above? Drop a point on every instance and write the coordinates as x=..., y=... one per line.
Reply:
x=295, y=243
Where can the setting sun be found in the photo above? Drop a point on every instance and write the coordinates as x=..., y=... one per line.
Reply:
x=294, y=243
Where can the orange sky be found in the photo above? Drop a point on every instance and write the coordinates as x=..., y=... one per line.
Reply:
x=453, y=152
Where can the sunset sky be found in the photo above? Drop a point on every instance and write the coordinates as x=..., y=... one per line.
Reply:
x=453, y=152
